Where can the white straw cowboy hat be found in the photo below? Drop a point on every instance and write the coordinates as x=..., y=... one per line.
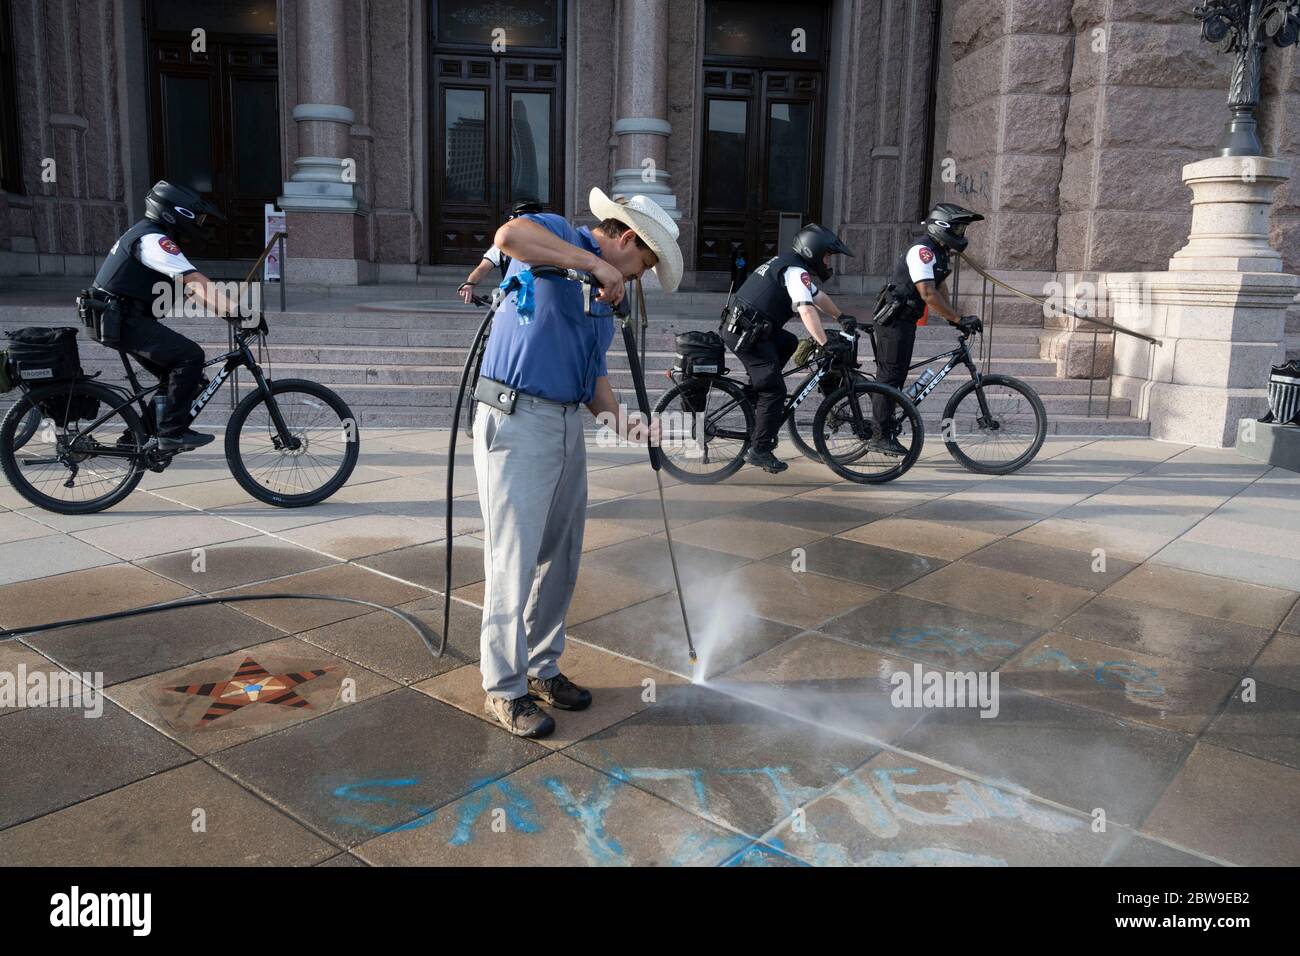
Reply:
x=656, y=228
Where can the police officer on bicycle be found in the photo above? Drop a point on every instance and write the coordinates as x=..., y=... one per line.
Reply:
x=147, y=254
x=914, y=291
x=752, y=327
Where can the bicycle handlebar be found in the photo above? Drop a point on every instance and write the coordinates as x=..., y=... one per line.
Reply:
x=585, y=278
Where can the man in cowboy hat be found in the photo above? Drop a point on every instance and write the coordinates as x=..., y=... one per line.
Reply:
x=531, y=463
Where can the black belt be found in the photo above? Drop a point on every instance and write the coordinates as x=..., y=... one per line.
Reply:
x=505, y=397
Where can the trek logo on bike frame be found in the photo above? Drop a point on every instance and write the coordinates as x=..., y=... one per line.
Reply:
x=811, y=384
x=931, y=385
x=208, y=392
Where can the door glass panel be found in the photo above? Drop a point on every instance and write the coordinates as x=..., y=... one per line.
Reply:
x=789, y=135
x=257, y=147
x=187, y=132
x=527, y=23
x=726, y=154
x=764, y=30
x=530, y=147
x=215, y=16
x=465, y=135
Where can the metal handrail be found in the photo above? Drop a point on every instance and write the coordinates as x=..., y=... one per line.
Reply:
x=988, y=304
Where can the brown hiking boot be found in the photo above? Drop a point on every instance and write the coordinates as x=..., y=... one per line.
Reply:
x=559, y=691
x=520, y=716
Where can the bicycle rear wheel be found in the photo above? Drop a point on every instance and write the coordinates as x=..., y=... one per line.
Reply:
x=324, y=450
x=705, y=424
x=846, y=439
x=61, y=468
x=1004, y=440
x=27, y=427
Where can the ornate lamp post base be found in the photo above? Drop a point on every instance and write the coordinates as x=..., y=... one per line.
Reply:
x=1240, y=136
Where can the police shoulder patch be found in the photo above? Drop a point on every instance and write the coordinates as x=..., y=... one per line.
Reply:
x=806, y=280
x=926, y=255
x=169, y=246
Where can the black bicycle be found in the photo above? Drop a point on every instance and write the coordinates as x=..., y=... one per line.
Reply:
x=706, y=422
x=994, y=424
x=289, y=442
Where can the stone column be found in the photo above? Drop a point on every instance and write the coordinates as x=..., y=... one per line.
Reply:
x=1220, y=310
x=642, y=127
x=327, y=237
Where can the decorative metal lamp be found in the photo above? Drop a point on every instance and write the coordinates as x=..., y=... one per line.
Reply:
x=1241, y=27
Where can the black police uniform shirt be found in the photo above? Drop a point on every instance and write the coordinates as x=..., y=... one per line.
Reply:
x=925, y=261
x=142, y=257
x=777, y=288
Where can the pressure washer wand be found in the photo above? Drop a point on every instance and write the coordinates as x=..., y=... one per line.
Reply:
x=656, y=462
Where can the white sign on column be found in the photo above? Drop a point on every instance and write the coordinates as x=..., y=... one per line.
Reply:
x=275, y=222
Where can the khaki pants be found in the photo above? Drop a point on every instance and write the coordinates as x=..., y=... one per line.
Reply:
x=532, y=487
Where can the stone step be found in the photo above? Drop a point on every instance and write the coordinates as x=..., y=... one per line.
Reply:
x=369, y=414
x=448, y=315
x=422, y=417
x=657, y=362
x=417, y=373
x=369, y=395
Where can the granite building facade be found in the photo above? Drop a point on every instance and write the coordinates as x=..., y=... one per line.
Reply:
x=397, y=133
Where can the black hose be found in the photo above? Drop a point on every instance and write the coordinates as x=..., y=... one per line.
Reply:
x=408, y=619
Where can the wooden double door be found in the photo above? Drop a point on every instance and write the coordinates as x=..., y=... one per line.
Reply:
x=497, y=140
x=762, y=156
x=215, y=127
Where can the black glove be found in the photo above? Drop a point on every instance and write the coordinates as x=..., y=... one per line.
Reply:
x=848, y=323
x=970, y=325
x=837, y=345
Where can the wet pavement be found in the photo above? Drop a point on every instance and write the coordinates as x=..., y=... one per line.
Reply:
x=1125, y=612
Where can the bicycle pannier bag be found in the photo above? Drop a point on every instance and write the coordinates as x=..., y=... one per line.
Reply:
x=66, y=407
x=44, y=355
x=700, y=354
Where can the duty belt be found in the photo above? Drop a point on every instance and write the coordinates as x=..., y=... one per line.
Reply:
x=746, y=324
x=737, y=319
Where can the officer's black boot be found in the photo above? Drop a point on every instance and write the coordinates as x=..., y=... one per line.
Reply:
x=763, y=458
x=187, y=440
x=173, y=437
x=887, y=445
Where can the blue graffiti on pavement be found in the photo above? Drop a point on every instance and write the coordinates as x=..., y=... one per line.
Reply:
x=422, y=816
x=950, y=641
x=1129, y=676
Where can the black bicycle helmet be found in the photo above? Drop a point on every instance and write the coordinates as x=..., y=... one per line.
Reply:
x=526, y=208
x=947, y=224
x=812, y=244
x=180, y=209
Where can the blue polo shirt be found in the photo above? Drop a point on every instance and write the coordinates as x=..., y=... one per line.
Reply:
x=559, y=352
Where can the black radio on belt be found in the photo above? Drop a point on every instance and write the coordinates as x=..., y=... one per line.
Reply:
x=749, y=326
x=101, y=313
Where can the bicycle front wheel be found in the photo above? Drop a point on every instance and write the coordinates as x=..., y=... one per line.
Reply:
x=849, y=444
x=799, y=426
x=704, y=429
x=323, y=447
x=1001, y=435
